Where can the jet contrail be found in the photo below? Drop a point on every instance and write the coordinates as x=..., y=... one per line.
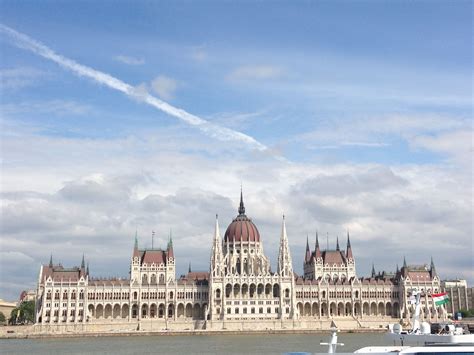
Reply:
x=222, y=133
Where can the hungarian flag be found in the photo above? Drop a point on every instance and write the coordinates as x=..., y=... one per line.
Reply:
x=440, y=298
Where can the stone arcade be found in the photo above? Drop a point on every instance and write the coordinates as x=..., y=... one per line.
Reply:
x=239, y=292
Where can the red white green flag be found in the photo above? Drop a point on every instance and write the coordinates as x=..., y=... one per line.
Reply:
x=440, y=298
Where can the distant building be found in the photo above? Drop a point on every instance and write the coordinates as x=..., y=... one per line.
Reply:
x=460, y=295
x=239, y=288
x=26, y=296
x=453, y=283
x=6, y=308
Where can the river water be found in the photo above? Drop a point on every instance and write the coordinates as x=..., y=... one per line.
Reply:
x=190, y=344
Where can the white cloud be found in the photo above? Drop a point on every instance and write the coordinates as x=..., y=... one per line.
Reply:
x=255, y=72
x=457, y=145
x=55, y=107
x=20, y=77
x=165, y=87
x=380, y=132
x=129, y=60
x=199, y=53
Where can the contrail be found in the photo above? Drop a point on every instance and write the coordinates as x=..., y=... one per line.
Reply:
x=222, y=133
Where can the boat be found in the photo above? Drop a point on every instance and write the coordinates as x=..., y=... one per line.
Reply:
x=450, y=338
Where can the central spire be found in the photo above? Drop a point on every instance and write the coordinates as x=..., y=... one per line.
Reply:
x=241, y=207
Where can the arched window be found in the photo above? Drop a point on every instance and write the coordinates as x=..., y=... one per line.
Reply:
x=276, y=290
x=238, y=266
x=287, y=292
x=218, y=293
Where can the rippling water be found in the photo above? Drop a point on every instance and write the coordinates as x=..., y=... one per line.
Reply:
x=189, y=344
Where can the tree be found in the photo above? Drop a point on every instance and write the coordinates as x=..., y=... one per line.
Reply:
x=466, y=313
x=24, y=313
x=2, y=318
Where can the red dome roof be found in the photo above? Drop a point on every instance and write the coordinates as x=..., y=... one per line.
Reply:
x=242, y=227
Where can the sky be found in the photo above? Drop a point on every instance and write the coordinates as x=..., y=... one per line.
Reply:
x=131, y=117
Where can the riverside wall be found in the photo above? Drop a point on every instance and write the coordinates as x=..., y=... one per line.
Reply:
x=161, y=327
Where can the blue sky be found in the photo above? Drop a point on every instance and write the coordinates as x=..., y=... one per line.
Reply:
x=372, y=100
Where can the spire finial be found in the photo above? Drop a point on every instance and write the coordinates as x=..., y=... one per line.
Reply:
x=348, y=240
x=316, y=246
x=136, y=240
x=432, y=266
x=404, y=262
x=170, y=241
x=337, y=243
x=87, y=270
x=51, y=260
x=189, y=269
x=241, y=206
x=373, y=270
x=83, y=264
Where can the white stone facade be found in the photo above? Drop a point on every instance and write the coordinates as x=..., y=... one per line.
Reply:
x=239, y=290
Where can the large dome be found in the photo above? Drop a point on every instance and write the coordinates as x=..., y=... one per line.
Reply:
x=242, y=228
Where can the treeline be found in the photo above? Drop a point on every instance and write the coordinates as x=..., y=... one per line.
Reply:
x=23, y=314
x=467, y=313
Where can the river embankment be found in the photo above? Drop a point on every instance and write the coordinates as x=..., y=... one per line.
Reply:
x=33, y=332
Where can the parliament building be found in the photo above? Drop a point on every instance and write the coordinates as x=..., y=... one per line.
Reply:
x=238, y=292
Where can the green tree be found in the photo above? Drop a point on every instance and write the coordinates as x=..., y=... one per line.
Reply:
x=28, y=311
x=466, y=313
x=2, y=318
x=24, y=313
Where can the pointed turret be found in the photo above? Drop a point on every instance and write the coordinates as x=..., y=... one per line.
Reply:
x=285, y=266
x=404, y=262
x=189, y=268
x=51, y=260
x=432, y=268
x=87, y=269
x=337, y=244
x=317, y=251
x=136, y=253
x=216, y=253
x=373, y=271
x=170, y=246
x=349, y=248
x=83, y=264
x=241, y=206
x=307, y=257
